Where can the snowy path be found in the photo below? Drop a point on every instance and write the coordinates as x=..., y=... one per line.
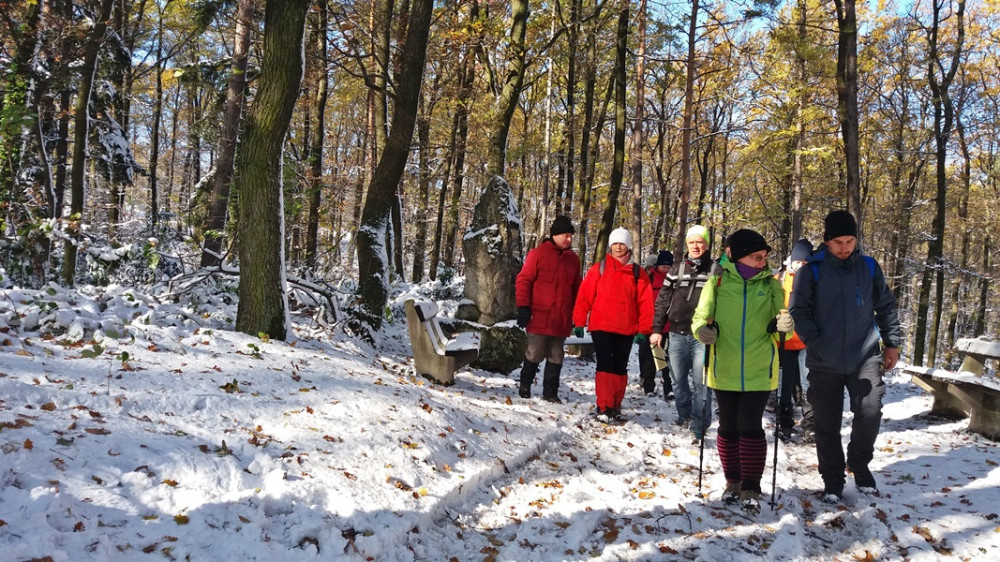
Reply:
x=630, y=492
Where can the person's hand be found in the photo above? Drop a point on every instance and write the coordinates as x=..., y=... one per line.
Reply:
x=890, y=356
x=656, y=339
x=523, y=316
x=639, y=338
x=708, y=334
x=784, y=322
x=578, y=331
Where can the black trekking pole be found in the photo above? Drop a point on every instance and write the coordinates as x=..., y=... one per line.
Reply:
x=704, y=418
x=774, y=468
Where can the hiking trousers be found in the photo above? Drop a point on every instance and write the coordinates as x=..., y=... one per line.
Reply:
x=865, y=389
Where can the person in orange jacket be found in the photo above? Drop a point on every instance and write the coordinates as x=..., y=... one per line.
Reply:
x=615, y=302
x=791, y=356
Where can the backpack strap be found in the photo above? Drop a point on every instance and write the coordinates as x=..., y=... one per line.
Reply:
x=635, y=271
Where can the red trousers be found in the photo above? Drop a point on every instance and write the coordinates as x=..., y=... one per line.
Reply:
x=610, y=389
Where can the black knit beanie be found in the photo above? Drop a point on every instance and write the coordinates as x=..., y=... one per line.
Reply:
x=561, y=226
x=839, y=223
x=744, y=242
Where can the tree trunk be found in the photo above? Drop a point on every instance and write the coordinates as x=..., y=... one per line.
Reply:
x=319, y=135
x=847, y=100
x=963, y=221
x=263, y=305
x=81, y=120
x=424, y=194
x=373, y=259
x=943, y=118
x=638, y=136
x=618, y=161
x=154, y=134
x=984, y=290
x=218, y=206
x=691, y=69
x=510, y=93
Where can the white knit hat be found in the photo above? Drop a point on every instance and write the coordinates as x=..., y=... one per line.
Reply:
x=620, y=236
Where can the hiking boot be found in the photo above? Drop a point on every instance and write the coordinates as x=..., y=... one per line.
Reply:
x=682, y=424
x=808, y=436
x=602, y=415
x=865, y=480
x=731, y=495
x=832, y=493
x=750, y=502
x=527, y=377
x=785, y=434
x=550, y=382
x=614, y=414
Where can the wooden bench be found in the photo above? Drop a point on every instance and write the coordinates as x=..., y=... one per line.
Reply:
x=580, y=347
x=965, y=393
x=434, y=355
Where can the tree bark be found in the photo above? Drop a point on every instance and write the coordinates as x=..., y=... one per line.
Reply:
x=263, y=305
x=691, y=69
x=638, y=133
x=847, y=100
x=618, y=159
x=373, y=259
x=315, y=195
x=218, y=207
x=510, y=93
x=939, y=78
x=81, y=120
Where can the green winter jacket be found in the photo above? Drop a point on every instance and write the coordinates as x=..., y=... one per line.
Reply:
x=745, y=356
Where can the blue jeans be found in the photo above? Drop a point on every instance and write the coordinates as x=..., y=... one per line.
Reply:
x=687, y=361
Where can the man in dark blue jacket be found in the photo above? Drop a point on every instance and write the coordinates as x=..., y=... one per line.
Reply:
x=842, y=307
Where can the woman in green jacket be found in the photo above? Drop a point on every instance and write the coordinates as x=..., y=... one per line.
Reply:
x=738, y=314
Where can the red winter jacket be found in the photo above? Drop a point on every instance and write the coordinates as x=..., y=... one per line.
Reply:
x=548, y=283
x=615, y=300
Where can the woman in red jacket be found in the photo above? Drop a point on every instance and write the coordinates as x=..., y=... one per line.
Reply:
x=615, y=303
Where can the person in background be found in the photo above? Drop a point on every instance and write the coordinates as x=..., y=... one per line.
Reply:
x=792, y=358
x=738, y=312
x=545, y=291
x=842, y=308
x=657, y=272
x=676, y=303
x=615, y=303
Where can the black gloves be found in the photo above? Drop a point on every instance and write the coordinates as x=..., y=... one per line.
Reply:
x=523, y=316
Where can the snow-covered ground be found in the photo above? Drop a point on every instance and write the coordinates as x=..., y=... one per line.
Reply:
x=177, y=438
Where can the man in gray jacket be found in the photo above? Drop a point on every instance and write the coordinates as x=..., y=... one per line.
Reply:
x=842, y=307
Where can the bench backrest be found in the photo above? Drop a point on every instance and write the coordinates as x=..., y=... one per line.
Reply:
x=427, y=313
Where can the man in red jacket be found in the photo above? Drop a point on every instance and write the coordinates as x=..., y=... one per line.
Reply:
x=546, y=290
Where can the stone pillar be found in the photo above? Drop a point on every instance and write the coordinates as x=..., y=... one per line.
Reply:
x=492, y=251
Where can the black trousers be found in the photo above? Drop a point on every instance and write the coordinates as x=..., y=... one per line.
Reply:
x=865, y=389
